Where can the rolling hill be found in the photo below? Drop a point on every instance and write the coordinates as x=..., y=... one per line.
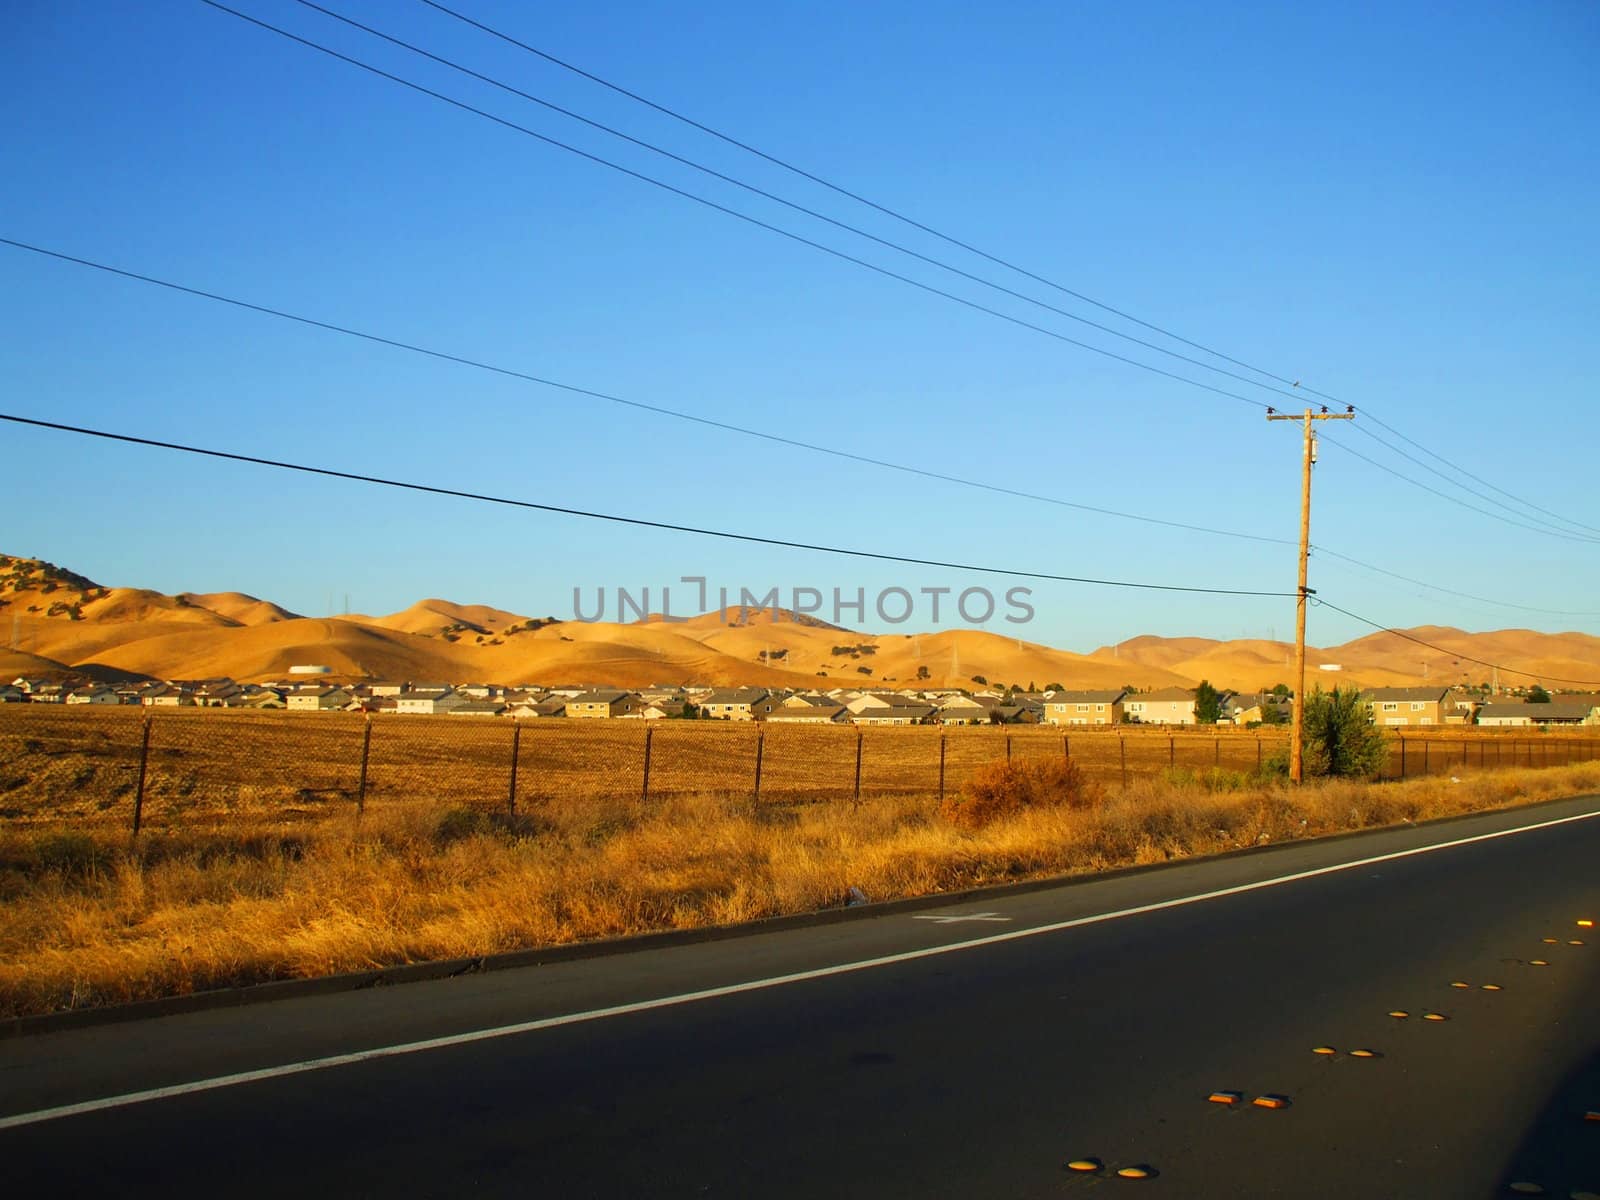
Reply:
x=61, y=622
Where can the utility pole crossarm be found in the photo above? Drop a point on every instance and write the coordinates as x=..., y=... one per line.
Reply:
x=1309, y=456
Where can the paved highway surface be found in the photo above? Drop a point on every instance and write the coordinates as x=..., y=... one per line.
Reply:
x=970, y=1051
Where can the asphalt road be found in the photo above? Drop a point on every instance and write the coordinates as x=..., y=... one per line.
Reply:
x=918, y=1055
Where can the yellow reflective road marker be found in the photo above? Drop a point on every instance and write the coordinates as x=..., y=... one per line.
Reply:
x=1434, y=1017
x=1324, y=1050
x=1491, y=987
x=1575, y=942
x=1363, y=1054
x=1585, y=923
x=1459, y=983
x=1271, y=1100
x=1399, y=1014
x=1229, y=1098
x=1551, y=941
x=1592, y=1115
x=1538, y=962
x=1085, y=1165
x=1137, y=1173
x=1523, y=1188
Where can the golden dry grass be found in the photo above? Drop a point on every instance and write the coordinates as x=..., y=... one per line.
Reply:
x=85, y=920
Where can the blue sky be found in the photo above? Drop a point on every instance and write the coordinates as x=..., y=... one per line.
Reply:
x=1391, y=202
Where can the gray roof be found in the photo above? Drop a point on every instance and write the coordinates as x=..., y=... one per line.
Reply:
x=1110, y=697
x=1164, y=695
x=600, y=696
x=1390, y=695
x=734, y=696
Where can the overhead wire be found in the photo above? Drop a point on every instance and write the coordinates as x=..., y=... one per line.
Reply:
x=1301, y=390
x=726, y=426
x=777, y=199
x=735, y=213
x=1482, y=662
x=615, y=518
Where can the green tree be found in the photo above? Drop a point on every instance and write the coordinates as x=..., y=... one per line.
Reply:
x=1537, y=695
x=1281, y=691
x=1055, y=687
x=1207, y=704
x=980, y=679
x=922, y=672
x=1339, y=738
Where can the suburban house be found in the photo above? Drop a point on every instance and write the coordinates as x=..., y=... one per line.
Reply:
x=1563, y=711
x=428, y=700
x=1168, y=706
x=732, y=704
x=601, y=704
x=472, y=707
x=1460, y=707
x=1257, y=708
x=92, y=694
x=556, y=706
x=1084, y=708
x=964, y=710
x=214, y=693
x=827, y=712
x=1406, y=706
x=166, y=695
x=320, y=699
x=895, y=714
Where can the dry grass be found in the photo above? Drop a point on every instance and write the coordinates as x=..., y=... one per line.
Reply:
x=86, y=921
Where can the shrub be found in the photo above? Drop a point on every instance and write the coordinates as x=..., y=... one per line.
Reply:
x=1006, y=787
x=1339, y=738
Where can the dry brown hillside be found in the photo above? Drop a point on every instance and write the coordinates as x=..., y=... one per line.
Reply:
x=57, y=620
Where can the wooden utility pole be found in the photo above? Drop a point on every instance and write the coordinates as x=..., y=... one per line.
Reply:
x=1309, y=456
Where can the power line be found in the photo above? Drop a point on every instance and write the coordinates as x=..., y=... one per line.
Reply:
x=659, y=410
x=973, y=249
x=728, y=427
x=1393, y=449
x=1548, y=532
x=856, y=196
x=641, y=522
x=1477, y=478
x=1434, y=587
x=1446, y=650
x=800, y=208
x=735, y=213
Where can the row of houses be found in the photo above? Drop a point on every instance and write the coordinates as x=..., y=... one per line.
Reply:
x=1401, y=707
x=1389, y=707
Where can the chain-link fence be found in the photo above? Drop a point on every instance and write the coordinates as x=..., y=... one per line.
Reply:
x=194, y=769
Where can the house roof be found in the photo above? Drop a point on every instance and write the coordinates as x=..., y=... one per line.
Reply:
x=734, y=696
x=1165, y=695
x=600, y=696
x=1506, y=708
x=1390, y=695
x=1103, y=697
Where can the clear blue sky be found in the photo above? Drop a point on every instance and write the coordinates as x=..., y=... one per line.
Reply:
x=1395, y=203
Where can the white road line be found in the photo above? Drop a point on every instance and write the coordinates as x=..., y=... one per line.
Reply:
x=940, y=919
x=734, y=989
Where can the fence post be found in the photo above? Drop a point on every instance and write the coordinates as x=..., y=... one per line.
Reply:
x=516, y=746
x=1258, y=754
x=144, y=760
x=1122, y=746
x=761, y=740
x=1066, y=747
x=1172, y=752
x=644, y=788
x=1008, y=747
x=1216, y=758
x=366, y=751
x=941, y=768
x=858, y=766
x=1402, y=755
x=1424, y=756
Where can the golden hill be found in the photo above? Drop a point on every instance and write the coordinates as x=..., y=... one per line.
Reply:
x=60, y=621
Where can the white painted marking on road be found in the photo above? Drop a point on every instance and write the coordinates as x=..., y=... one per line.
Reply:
x=733, y=989
x=942, y=920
